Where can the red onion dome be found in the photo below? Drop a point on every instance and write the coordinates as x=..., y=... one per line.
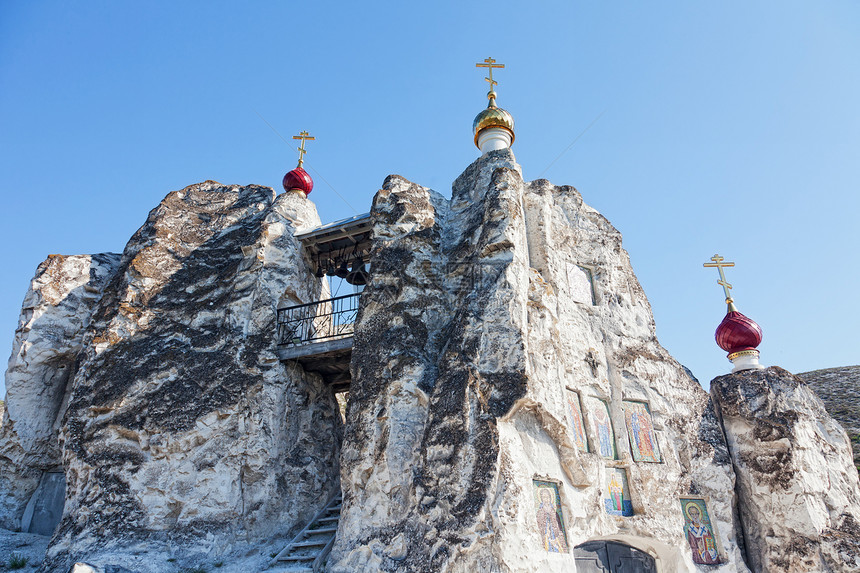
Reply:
x=298, y=180
x=737, y=333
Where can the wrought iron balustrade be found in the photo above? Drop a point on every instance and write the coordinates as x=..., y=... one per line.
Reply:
x=317, y=321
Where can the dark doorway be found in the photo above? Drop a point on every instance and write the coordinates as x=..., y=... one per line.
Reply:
x=612, y=557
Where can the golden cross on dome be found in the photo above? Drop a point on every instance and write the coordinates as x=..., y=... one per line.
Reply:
x=718, y=262
x=490, y=63
x=304, y=136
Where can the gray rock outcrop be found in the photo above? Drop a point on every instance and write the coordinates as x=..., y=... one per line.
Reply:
x=839, y=389
x=185, y=438
x=798, y=490
x=480, y=319
x=56, y=311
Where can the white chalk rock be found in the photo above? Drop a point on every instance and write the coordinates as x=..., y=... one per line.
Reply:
x=56, y=311
x=799, y=496
x=485, y=315
x=185, y=434
x=81, y=567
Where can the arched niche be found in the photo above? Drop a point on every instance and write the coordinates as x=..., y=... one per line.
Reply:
x=612, y=557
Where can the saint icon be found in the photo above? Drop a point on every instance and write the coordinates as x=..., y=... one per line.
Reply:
x=700, y=536
x=549, y=519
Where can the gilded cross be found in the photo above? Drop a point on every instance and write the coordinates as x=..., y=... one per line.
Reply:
x=304, y=136
x=718, y=262
x=490, y=63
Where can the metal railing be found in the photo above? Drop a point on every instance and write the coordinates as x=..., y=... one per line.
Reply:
x=317, y=321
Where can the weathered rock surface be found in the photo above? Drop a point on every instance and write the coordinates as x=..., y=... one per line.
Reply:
x=152, y=380
x=28, y=546
x=472, y=327
x=55, y=313
x=799, y=495
x=839, y=389
x=185, y=438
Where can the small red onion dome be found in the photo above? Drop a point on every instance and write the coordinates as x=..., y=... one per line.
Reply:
x=737, y=333
x=298, y=180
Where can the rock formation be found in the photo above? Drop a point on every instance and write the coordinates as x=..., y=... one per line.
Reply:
x=798, y=490
x=479, y=326
x=839, y=389
x=55, y=313
x=510, y=406
x=184, y=437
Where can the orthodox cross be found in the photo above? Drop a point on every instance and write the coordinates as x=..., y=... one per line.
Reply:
x=591, y=360
x=718, y=262
x=490, y=63
x=304, y=136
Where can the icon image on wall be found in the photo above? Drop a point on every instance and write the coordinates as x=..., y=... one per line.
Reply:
x=617, y=500
x=550, y=520
x=699, y=531
x=574, y=411
x=598, y=410
x=640, y=430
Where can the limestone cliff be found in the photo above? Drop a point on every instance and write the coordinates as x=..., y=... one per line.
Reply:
x=839, y=389
x=486, y=316
x=56, y=311
x=185, y=438
x=798, y=490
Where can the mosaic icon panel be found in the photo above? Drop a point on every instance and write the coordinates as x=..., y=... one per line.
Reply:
x=574, y=412
x=640, y=430
x=598, y=411
x=548, y=514
x=617, y=500
x=699, y=531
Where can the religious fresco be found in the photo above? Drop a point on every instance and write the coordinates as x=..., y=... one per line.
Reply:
x=574, y=412
x=640, y=430
x=598, y=411
x=617, y=500
x=550, y=520
x=699, y=531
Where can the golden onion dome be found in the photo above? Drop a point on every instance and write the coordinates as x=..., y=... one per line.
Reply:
x=493, y=116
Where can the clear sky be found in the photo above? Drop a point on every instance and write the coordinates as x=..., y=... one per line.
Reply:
x=728, y=127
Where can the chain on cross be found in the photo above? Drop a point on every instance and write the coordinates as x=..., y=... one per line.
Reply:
x=490, y=63
x=719, y=264
x=304, y=136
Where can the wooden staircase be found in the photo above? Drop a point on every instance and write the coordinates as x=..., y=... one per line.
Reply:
x=308, y=550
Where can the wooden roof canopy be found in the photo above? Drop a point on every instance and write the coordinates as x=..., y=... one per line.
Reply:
x=347, y=239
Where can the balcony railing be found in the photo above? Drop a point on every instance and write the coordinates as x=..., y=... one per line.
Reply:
x=317, y=321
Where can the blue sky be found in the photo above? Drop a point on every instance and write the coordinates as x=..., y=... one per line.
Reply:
x=728, y=127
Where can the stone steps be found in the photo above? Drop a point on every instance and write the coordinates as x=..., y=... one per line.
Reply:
x=307, y=552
